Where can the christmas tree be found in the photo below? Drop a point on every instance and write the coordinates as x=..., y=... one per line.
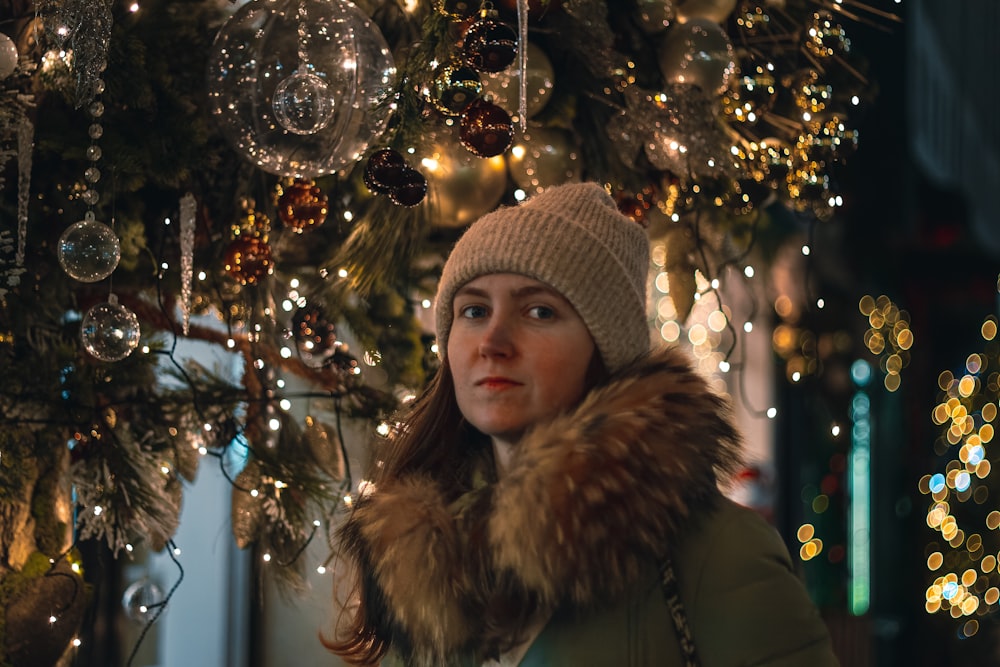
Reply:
x=283, y=180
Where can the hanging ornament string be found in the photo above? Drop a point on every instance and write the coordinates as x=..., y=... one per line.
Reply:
x=187, y=209
x=89, y=250
x=522, y=57
x=87, y=26
x=302, y=102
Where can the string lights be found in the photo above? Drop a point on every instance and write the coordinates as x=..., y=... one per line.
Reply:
x=962, y=561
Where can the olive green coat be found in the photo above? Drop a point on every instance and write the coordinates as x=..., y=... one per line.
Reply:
x=743, y=603
x=589, y=506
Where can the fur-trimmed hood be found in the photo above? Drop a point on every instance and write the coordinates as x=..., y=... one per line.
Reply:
x=588, y=500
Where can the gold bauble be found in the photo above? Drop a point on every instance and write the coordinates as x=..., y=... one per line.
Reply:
x=460, y=186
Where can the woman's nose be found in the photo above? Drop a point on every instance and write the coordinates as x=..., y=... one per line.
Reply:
x=497, y=339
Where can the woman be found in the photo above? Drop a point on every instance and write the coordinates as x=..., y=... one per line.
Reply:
x=552, y=498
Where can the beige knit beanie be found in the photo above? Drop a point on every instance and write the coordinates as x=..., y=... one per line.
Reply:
x=573, y=238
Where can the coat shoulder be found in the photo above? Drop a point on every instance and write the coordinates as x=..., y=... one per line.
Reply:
x=746, y=604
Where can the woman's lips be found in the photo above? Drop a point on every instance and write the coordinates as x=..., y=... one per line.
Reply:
x=497, y=383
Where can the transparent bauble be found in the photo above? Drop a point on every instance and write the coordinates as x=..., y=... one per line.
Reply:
x=303, y=103
x=141, y=600
x=8, y=56
x=262, y=45
x=89, y=250
x=697, y=53
x=110, y=331
x=505, y=86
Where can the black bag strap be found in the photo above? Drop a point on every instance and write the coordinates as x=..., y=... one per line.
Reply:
x=671, y=591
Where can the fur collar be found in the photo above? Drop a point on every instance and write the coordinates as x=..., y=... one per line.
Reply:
x=589, y=499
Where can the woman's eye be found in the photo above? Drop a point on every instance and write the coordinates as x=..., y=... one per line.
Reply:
x=542, y=312
x=472, y=312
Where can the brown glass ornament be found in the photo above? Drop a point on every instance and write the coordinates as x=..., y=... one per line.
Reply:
x=411, y=189
x=302, y=205
x=314, y=333
x=633, y=207
x=248, y=259
x=489, y=45
x=455, y=86
x=382, y=172
x=486, y=129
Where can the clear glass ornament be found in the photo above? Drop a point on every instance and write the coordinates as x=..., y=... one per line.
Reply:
x=504, y=87
x=262, y=45
x=140, y=599
x=110, y=331
x=303, y=104
x=96, y=131
x=697, y=53
x=8, y=56
x=89, y=250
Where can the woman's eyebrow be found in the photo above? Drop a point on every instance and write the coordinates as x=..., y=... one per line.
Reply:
x=471, y=291
x=531, y=290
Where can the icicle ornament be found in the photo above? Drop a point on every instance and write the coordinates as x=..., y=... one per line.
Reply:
x=187, y=209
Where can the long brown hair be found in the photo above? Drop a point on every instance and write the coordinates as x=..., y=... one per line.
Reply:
x=434, y=440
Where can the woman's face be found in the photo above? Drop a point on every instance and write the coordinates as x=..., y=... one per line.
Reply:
x=519, y=354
